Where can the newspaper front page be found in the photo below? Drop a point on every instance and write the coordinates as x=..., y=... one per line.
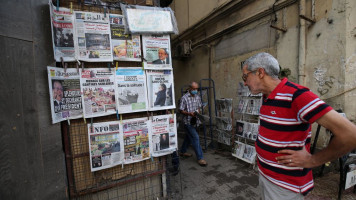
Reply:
x=98, y=92
x=125, y=47
x=92, y=37
x=157, y=52
x=160, y=89
x=105, y=145
x=64, y=90
x=136, y=139
x=164, y=135
x=131, y=90
x=62, y=33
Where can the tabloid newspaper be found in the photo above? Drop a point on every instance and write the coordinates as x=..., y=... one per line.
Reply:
x=136, y=139
x=157, y=52
x=131, y=90
x=92, y=37
x=62, y=33
x=224, y=137
x=64, y=90
x=160, y=89
x=105, y=145
x=98, y=92
x=164, y=135
x=125, y=47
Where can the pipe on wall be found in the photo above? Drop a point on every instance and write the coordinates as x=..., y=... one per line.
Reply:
x=302, y=44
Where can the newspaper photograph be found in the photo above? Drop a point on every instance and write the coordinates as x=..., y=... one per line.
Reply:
x=249, y=153
x=239, y=149
x=131, y=90
x=224, y=105
x=98, y=92
x=92, y=37
x=105, y=145
x=224, y=137
x=160, y=89
x=125, y=47
x=156, y=51
x=62, y=33
x=164, y=135
x=136, y=139
x=64, y=90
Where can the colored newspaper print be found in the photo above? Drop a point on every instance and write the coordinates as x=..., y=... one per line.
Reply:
x=125, y=47
x=164, y=135
x=98, y=92
x=131, y=91
x=62, y=33
x=92, y=37
x=64, y=90
x=136, y=139
x=105, y=145
x=157, y=52
x=160, y=89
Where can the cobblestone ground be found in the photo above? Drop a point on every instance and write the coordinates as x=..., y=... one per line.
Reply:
x=226, y=177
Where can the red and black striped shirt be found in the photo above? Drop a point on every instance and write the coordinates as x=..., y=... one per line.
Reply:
x=286, y=116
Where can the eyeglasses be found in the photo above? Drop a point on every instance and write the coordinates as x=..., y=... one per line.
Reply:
x=244, y=76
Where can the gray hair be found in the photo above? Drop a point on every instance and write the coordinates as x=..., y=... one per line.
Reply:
x=265, y=61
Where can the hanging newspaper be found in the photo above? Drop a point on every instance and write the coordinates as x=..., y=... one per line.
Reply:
x=105, y=145
x=156, y=51
x=136, y=139
x=98, y=92
x=224, y=137
x=131, y=91
x=164, y=135
x=62, y=33
x=92, y=37
x=146, y=20
x=124, y=46
x=224, y=105
x=64, y=90
x=160, y=89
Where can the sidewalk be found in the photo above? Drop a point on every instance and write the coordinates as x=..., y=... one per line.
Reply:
x=226, y=177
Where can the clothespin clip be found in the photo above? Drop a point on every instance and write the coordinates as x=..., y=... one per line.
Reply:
x=172, y=112
x=109, y=67
x=91, y=125
x=117, y=65
x=57, y=7
x=85, y=121
x=143, y=65
x=105, y=11
x=68, y=120
x=152, y=158
x=82, y=66
x=77, y=65
x=121, y=119
x=122, y=165
x=62, y=62
x=65, y=67
x=148, y=115
x=117, y=114
x=71, y=7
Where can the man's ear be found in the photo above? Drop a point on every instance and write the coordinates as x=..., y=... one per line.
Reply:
x=261, y=72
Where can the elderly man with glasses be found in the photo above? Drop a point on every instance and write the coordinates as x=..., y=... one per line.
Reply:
x=283, y=143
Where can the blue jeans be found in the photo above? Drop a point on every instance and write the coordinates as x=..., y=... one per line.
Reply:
x=192, y=137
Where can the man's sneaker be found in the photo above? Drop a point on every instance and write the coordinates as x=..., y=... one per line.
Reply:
x=202, y=163
x=185, y=154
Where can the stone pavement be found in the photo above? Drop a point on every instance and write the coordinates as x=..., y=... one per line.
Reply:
x=226, y=177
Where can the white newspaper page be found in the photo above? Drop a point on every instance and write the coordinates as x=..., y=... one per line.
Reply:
x=157, y=52
x=92, y=37
x=62, y=33
x=160, y=89
x=98, y=92
x=125, y=47
x=131, y=90
x=136, y=139
x=105, y=145
x=64, y=90
x=164, y=135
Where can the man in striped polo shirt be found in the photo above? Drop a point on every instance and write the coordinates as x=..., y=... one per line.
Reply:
x=283, y=143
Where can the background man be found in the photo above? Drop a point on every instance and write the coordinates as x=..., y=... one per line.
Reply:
x=283, y=143
x=190, y=103
x=163, y=57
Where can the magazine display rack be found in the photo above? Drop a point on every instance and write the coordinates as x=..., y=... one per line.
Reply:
x=247, y=124
x=224, y=125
